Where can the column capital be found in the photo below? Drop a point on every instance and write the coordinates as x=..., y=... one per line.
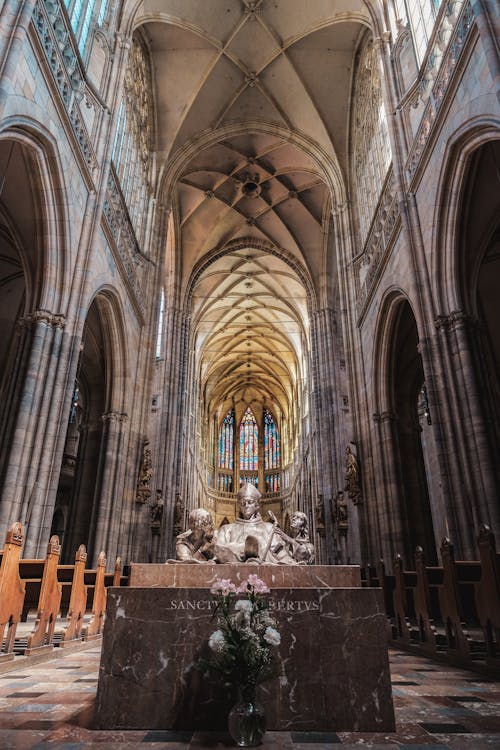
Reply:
x=50, y=319
x=340, y=208
x=455, y=319
x=114, y=416
x=384, y=416
x=384, y=38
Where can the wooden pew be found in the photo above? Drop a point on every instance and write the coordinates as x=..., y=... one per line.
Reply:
x=459, y=579
x=49, y=602
x=425, y=610
x=387, y=584
x=11, y=591
x=94, y=628
x=488, y=594
x=78, y=600
x=404, y=611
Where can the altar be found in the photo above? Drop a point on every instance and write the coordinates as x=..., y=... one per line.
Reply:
x=334, y=672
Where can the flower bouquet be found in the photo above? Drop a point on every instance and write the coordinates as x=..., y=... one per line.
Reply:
x=243, y=650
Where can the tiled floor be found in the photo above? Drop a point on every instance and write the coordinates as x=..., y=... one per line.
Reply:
x=50, y=707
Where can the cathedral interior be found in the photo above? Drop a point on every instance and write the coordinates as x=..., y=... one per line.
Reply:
x=250, y=241
x=252, y=246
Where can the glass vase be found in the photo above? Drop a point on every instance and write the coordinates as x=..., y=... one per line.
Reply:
x=246, y=721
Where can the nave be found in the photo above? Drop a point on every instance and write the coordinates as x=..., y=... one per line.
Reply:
x=49, y=706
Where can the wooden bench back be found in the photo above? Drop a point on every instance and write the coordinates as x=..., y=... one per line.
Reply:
x=49, y=602
x=11, y=590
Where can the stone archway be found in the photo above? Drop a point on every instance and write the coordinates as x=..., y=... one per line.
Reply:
x=411, y=451
x=467, y=267
x=480, y=280
x=78, y=481
x=32, y=235
x=89, y=480
x=403, y=516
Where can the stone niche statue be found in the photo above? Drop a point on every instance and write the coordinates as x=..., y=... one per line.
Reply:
x=250, y=539
x=145, y=474
x=196, y=545
x=352, y=475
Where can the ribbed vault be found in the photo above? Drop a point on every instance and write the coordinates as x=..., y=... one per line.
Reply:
x=251, y=325
x=252, y=102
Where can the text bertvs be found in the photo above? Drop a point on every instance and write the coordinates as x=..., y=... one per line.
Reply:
x=279, y=605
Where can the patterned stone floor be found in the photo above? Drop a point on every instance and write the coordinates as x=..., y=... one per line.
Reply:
x=50, y=707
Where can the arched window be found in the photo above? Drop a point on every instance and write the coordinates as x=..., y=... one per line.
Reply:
x=271, y=442
x=226, y=442
x=134, y=136
x=370, y=138
x=420, y=15
x=81, y=14
x=249, y=435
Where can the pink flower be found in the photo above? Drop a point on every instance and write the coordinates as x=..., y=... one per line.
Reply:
x=223, y=586
x=253, y=583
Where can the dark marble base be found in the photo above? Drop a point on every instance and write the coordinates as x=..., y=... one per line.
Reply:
x=334, y=673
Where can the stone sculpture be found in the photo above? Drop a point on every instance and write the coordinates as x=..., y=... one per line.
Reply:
x=249, y=538
x=352, y=476
x=145, y=475
x=196, y=544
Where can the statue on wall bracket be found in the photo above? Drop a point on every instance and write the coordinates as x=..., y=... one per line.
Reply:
x=353, y=474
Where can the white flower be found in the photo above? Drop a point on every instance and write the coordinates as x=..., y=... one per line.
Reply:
x=217, y=642
x=272, y=636
x=243, y=605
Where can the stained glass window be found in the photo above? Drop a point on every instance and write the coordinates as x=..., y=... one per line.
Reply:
x=250, y=479
x=249, y=449
x=271, y=443
x=225, y=482
x=226, y=442
x=272, y=482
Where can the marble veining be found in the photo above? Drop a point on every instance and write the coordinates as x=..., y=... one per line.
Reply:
x=334, y=672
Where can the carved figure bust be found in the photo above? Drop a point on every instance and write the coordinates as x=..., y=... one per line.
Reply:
x=302, y=549
x=196, y=544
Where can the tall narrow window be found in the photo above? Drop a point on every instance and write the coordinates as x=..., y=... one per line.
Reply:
x=249, y=447
x=271, y=442
x=421, y=15
x=226, y=442
x=159, y=335
x=102, y=12
x=84, y=32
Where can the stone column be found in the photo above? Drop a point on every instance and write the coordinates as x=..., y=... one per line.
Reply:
x=325, y=399
x=171, y=432
x=108, y=499
x=27, y=438
x=472, y=473
x=385, y=516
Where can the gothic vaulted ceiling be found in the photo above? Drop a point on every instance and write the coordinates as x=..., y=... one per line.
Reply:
x=263, y=89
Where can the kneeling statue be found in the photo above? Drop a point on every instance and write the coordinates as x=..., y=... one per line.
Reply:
x=196, y=544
